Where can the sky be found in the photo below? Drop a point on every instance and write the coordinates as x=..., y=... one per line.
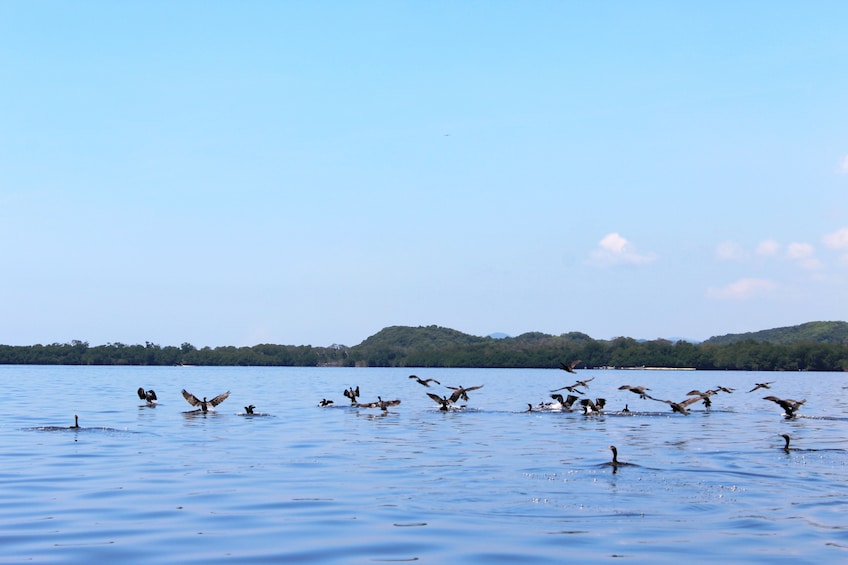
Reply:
x=309, y=173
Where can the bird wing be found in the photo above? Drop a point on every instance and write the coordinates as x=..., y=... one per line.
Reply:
x=432, y=380
x=367, y=404
x=193, y=400
x=151, y=395
x=437, y=398
x=473, y=388
x=141, y=393
x=391, y=402
x=219, y=399
x=456, y=395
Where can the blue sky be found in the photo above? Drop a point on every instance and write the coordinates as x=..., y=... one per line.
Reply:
x=234, y=173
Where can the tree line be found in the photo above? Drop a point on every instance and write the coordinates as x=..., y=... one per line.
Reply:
x=438, y=347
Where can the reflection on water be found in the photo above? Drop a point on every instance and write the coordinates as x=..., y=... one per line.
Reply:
x=296, y=482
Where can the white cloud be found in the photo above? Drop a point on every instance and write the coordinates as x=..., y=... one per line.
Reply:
x=742, y=289
x=768, y=248
x=837, y=239
x=800, y=251
x=730, y=251
x=613, y=249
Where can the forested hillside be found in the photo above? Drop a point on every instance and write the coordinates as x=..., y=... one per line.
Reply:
x=817, y=346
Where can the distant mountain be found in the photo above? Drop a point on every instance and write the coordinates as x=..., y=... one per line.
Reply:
x=811, y=332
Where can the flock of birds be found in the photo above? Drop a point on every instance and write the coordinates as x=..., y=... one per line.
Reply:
x=460, y=393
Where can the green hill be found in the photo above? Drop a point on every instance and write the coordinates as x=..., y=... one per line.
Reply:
x=811, y=332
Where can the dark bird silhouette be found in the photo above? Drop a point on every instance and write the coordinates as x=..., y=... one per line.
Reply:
x=352, y=393
x=569, y=388
x=204, y=404
x=625, y=409
x=381, y=404
x=425, y=382
x=595, y=407
x=443, y=401
x=705, y=396
x=566, y=403
x=640, y=390
x=615, y=463
x=726, y=389
x=249, y=409
x=570, y=367
x=460, y=392
x=679, y=407
x=324, y=402
x=789, y=405
x=148, y=396
x=76, y=423
x=786, y=437
x=761, y=385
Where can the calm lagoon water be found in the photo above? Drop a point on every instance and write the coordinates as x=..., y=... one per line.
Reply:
x=489, y=484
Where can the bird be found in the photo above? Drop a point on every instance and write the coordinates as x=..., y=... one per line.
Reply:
x=425, y=382
x=640, y=390
x=786, y=437
x=705, y=396
x=590, y=407
x=570, y=367
x=324, y=402
x=76, y=425
x=584, y=383
x=726, y=389
x=352, y=393
x=761, y=385
x=615, y=463
x=679, y=406
x=443, y=401
x=381, y=404
x=149, y=396
x=204, y=404
x=460, y=392
x=789, y=405
x=626, y=409
x=249, y=409
x=564, y=404
x=569, y=388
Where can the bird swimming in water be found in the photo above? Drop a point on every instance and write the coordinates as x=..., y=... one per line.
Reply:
x=249, y=409
x=324, y=402
x=204, y=404
x=570, y=367
x=640, y=390
x=352, y=393
x=425, y=382
x=148, y=396
x=615, y=463
x=381, y=404
x=785, y=437
x=626, y=409
x=758, y=386
x=789, y=405
x=76, y=425
x=460, y=392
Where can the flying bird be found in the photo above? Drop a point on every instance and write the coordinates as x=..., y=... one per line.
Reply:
x=381, y=404
x=425, y=382
x=443, y=401
x=460, y=392
x=148, y=396
x=640, y=390
x=204, y=404
x=789, y=405
x=679, y=406
x=570, y=367
x=761, y=385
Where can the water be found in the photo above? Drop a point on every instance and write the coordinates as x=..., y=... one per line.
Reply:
x=490, y=484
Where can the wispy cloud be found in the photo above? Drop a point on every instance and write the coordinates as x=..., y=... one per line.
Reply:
x=768, y=248
x=838, y=240
x=613, y=249
x=743, y=289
